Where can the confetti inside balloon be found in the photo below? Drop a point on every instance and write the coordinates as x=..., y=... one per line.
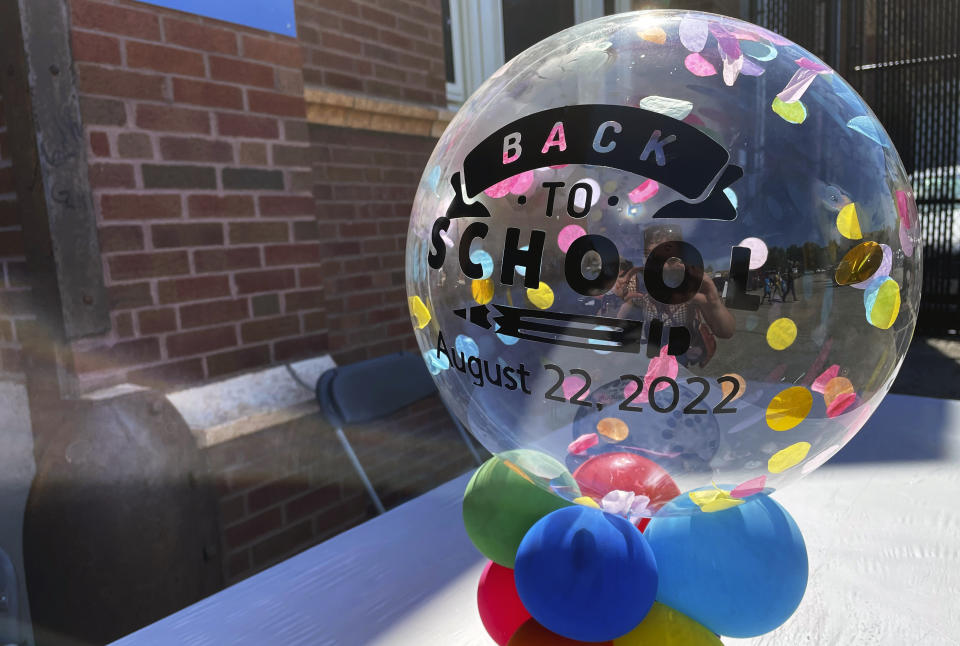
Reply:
x=665, y=233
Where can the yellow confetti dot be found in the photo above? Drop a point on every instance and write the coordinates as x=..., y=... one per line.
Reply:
x=781, y=334
x=886, y=305
x=419, y=311
x=712, y=500
x=836, y=387
x=794, y=112
x=613, y=429
x=542, y=296
x=848, y=224
x=654, y=35
x=586, y=501
x=859, y=264
x=788, y=457
x=727, y=387
x=788, y=408
x=482, y=290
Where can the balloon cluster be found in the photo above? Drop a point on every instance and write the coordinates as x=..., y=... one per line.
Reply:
x=596, y=570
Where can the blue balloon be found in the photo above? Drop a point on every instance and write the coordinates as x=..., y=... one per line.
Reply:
x=586, y=574
x=740, y=572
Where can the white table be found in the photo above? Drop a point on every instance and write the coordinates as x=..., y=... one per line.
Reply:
x=881, y=522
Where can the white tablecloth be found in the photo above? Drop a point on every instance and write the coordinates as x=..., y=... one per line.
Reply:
x=881, y=523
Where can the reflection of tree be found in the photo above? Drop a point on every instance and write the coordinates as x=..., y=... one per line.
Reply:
x=812, y=257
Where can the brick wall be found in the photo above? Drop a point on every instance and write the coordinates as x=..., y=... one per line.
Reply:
x=199, y=165
x=290, y=487
x=390, y=49
x=14, y=293
x=365, y=184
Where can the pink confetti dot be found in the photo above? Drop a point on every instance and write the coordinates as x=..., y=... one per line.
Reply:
x=813, y=66
x=517, y=184
x=840, y=403
x=820, y=383
x=582, y=443
x=664, y=365
x=644, y=192
x=749, y=487
x=906, y=208
x=572, y=385
x=568, y=234
x=698, y=65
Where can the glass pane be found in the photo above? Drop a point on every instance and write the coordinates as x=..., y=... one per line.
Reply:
x=526, y=22
x=448, y=43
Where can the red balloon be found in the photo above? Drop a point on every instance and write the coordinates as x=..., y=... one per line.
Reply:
x=608, y=472
x=533, y=634
x=501, y=611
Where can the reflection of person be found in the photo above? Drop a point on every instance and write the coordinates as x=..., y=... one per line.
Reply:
x=767, y=290
x=705, y=316
x=626, y=283
x=788, y=287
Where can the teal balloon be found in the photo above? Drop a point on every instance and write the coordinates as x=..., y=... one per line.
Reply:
x=740, y=572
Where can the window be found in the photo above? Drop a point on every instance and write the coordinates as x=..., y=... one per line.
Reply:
x=480, y=36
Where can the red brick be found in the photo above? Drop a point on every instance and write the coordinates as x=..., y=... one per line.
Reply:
x=238, y=565
x=242, y=125
x=271, y=493
x=140, y=207
x=195, y=149
x=193, y=289
x=342, y=81
x=171, y=119
x=214, y=95
x=165, y=375
x=283, y=544
x=157, y=321
x=9, y=215
x=129, y=296
x=264, y=281
x=95, y=48
x=103, y=175
x=201, y=341
x=265, y=329
x=200, y=234
x=253, y=528
x=243, y=72
x=304, y=346
x=292, y=254
x=230, y=259
x=213, y=313
x=120, y=238
x=99, y=144
x=94, y=79
x=237, y=361
x=259, y=232
x=272, y=51
x=213, y=206
x=286, y=205
x=310, y=276
x=115, y=19
x=197, y=36
x=134, y=145
x=148, y=265
x=275, y=103
x=315, y=321
x=160, y=58
x=303, y=300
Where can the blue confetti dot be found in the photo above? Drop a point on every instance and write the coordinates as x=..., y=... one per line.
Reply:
x=483, y=259
x=467, y=346
x=436, y=362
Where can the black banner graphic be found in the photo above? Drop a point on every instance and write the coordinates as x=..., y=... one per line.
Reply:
x=635, y=140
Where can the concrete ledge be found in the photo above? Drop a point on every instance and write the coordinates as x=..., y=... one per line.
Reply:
x=227, y=409
x=332, y=108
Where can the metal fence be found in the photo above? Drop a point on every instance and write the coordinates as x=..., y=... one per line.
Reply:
x=903, y=57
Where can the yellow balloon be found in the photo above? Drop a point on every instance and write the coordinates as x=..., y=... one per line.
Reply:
x=664, y=626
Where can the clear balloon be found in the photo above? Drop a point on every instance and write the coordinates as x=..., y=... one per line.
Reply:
x=652, y=234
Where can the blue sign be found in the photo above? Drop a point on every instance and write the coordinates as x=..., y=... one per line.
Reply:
x=269, y=15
